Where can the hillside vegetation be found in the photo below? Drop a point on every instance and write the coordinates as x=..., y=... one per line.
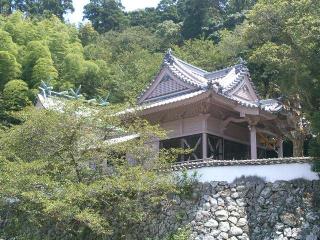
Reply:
x=116, y=54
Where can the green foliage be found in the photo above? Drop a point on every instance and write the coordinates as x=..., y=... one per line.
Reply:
x=44, y=70
x=148, y=18
x=106, y=15
x=37, y=8
x=9, y=68
x=210, y=56
x=281, y=52
x=283, y=37
x=186, y=183
x=6, y=43
x=87, y=34
x=200, y=15
x=16, y=95
x=73, y=182
x=51, y=51
x=181, y=234
x=169, y=32
x=238, y=6
x=137, y=67
x=168, y=11
x=127, y=40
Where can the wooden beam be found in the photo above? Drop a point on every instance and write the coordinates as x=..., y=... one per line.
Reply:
x=227, y=121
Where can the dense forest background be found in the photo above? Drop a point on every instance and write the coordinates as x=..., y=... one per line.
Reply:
x=117, y=53
x=59, y=177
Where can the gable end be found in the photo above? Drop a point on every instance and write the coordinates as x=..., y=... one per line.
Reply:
x=166, y=86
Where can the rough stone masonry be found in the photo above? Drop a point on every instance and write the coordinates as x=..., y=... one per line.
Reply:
x=247, y=209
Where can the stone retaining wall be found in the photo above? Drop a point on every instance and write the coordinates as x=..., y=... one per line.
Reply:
x=248, y=209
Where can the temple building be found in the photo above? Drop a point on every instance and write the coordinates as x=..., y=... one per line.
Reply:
x=217, y=114
x=228, y=130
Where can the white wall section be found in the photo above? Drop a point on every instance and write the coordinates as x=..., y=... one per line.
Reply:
x=269, y=173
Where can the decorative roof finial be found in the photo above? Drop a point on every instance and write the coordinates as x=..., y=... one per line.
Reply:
x=103, y=102
x=242, y=61
x=212, y=84
x=75, y=94
x=168, y=56
x=45, y=89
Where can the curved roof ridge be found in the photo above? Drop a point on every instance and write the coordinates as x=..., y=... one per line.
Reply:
x=192, y=76
x=191, y=66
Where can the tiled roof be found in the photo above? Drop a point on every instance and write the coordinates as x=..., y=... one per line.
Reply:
x=189, y=165
x=224, y=82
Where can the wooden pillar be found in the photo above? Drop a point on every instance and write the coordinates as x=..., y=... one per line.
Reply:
x=204, y=119
x=204, y=146
x=280, y=149
x=253, y=141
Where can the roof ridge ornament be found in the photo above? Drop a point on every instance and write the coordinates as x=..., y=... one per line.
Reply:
x=71, y=94
x=241, y=61
x=169, y=57
x=46, y=89
x=214, y=85
x=75, y=93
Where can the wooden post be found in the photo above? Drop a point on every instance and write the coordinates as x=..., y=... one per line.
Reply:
x=204, y=135
x=280, y=150
x=253, y=141
x=204, y=146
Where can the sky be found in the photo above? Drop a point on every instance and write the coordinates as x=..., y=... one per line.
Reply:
x=130, y=5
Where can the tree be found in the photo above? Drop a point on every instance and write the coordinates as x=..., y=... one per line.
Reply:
x=16, y=95
x=238, y=6
x=56, y=7
x=169, y=33
x=6, y=43
x=148, y=18
x=129, y=39
x=106, y=15
x=9, y=68
x=87, y=34
x=36, y=8
x=44, y=71
x=91, y=78
x=200, y=15
x=72, y=69
x=21, y=29
x=72, y=178
x=200, y=52
x=138, y=67
x=168, y=11
x=35, y=51
x=283, y=55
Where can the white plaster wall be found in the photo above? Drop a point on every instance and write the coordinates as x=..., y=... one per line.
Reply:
x=214, y=126
x=172, y=128
x=192, y=125
x=269, y=173
x=183, y=127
